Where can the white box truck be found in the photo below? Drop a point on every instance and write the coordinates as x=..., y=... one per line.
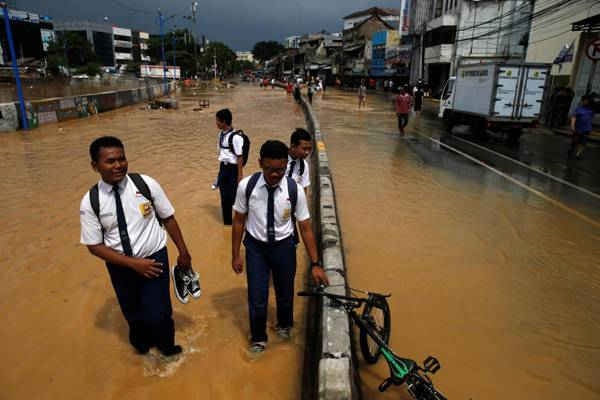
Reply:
x=499, y=98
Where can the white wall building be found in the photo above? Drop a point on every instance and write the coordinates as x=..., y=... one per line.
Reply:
x=291, y=42
x=123, y=45
x=245, y=56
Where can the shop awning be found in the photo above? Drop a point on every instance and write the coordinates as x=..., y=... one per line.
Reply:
x=591, y=24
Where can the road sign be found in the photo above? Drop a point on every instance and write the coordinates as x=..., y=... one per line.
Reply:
x=593, y=50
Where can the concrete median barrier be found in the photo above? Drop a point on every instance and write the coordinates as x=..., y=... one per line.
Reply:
x=334, y=361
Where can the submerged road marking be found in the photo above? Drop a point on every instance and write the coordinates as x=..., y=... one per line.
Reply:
x=539, y=171
x=517, y=182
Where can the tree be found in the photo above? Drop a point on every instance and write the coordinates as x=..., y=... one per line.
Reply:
x=264, y=51
x=184, y=54
x=70, y=49
x=225, y=57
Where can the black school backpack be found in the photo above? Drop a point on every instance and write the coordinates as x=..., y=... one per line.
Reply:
x=245, y=146
x=139, y=183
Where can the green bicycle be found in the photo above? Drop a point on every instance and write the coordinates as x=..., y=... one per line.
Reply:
x=374, y=325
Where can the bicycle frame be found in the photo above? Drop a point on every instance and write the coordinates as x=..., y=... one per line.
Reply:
x=402, y=370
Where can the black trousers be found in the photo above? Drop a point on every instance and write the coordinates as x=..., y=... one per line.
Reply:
x=228, y=175
x=402, y=121
x=146, y=304
x=262, y=260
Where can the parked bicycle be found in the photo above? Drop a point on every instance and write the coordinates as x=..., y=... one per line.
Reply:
x=374, y=325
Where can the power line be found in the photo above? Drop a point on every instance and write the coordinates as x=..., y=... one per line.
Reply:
x=539, y=14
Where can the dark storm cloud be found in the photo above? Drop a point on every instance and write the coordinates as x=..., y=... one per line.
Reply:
x=238, y=23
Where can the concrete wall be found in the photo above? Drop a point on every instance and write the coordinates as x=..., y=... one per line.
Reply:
x=46, y=111
x=335, y=363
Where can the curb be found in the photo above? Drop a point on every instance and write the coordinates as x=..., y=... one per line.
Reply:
x=335, y=363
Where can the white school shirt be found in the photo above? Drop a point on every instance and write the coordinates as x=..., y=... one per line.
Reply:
x=256, y=223
x=145, y=233
x=302, y=180
x=225, y=155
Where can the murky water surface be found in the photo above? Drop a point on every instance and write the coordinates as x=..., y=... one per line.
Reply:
x=499, y=284
x=63, y=335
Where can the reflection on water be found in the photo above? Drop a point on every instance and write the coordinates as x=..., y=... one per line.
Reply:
x=63, y=335
x=499, y=284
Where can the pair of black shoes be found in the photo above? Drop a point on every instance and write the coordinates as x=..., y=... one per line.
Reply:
x=186, y=282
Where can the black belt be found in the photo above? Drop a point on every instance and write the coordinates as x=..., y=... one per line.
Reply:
x=251, y=238
x=227, y=163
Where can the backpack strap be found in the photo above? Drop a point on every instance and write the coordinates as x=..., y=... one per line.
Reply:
x=293, y=193
x=241, y=134
x=95, y=203
x=250, y=187
x=142, y=186
x=301, y=167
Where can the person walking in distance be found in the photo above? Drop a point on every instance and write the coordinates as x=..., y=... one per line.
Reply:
x=362, y=94
x=264, y=207
x=418, y=97
x=121, y=219
x=231, y=167
x=581, y=126
x=403, y=103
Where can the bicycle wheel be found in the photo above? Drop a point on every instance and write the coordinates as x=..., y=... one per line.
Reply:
x=376, y=316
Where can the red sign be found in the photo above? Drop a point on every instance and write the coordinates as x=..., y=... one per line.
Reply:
x=593, y=50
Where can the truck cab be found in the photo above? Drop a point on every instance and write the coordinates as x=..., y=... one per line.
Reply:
x=447, y=97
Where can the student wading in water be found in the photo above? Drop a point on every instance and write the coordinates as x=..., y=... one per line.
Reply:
x=121, y=219
x=264, y=206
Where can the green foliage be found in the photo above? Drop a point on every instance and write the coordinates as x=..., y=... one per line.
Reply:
x=93, y=69
x=72, y=50
x=264, y=51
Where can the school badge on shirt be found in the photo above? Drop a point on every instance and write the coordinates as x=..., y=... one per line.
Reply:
x=145, y=209
x=286, y=214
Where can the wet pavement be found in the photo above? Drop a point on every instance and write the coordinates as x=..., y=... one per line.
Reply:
x=63, y=334
x=540, y=149
x=498, y=279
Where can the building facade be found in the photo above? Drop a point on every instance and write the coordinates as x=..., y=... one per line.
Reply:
x=32, y=33
x=123, y=45
x=245, y=56
x=553, y=40
x=99, y=35
x=140, y=47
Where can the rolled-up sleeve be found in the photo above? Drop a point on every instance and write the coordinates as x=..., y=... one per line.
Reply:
x=240, y=204
x=301, y=212
x=91, y=230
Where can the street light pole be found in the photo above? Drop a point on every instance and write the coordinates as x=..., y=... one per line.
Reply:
x=11, y=45
x=161, y=21
x=194, y=9
x=215, y=63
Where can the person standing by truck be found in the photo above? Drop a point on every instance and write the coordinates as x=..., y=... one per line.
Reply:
x=403, y=103
x=581, y=126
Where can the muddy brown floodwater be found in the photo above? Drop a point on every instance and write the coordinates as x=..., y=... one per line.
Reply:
x=502, y=286
x=63, y=335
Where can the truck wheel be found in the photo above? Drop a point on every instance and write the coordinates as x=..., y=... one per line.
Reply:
x=513, y=136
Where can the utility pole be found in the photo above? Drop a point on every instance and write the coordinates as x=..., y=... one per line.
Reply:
x=215, y=63
x=161, y=21
x=173, y=34
x=13, y=56
x=194, y=9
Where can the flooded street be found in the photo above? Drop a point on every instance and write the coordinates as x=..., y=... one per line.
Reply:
x=63, y=334
x=497, y=282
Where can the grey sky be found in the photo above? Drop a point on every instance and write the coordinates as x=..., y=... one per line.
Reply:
x=238, y=23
